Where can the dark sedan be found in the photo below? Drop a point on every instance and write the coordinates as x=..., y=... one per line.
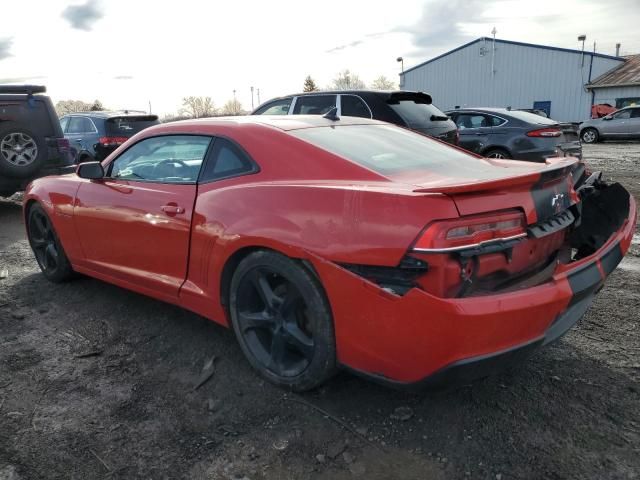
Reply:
x=503, y=133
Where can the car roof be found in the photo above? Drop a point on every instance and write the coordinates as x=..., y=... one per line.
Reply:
x=111, y=113
x=504, y=111
x=281, y=122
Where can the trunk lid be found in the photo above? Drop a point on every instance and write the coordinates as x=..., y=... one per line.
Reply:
x=541, y=191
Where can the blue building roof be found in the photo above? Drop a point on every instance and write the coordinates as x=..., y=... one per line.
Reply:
x=511, y=42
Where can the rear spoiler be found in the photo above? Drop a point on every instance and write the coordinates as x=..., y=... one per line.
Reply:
x=559, y=169
x=418, y=97
x=23, y=89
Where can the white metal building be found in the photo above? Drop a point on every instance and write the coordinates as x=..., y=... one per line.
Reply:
x=502, y=73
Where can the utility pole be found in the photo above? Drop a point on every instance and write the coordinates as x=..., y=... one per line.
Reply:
x=582, y=38
x=234, y=93
x=252, y=106
x=493, y=52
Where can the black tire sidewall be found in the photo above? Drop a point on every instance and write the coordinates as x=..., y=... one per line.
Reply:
x=323, y=364
x=10, y=170
x=64, y=271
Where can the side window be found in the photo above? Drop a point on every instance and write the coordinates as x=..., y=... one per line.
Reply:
x=471, y=120
x=314, y=104
x=495, y=121
x=80, y=125
x=63, y=123
x=277, y=107
x=226, y=160
x=635, y=113
x=353, y=106
x=164, y=159
x=623, y=114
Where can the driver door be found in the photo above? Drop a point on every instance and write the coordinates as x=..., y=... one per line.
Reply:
x=134, y=224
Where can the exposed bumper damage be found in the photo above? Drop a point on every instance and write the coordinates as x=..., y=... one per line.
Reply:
x=417, y=339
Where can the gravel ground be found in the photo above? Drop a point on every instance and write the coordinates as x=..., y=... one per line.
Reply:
x=98, y=382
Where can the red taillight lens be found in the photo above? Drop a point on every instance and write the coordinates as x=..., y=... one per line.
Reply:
x=545, y=132
x=466, y=232
x=63, y=144
x=112, y=141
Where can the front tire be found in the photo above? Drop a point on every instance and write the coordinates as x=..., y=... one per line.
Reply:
x=46, y=246
x=589, y=135
x=282, y=321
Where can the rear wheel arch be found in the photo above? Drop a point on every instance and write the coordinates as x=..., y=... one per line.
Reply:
x=232, y=262
x=498, y=149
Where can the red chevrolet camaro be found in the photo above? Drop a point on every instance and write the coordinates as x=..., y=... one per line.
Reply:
x=327, y=243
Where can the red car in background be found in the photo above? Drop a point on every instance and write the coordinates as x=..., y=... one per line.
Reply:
x=327, y=242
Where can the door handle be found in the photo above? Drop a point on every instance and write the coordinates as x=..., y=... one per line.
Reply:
x=172, y=209
x=78, y=141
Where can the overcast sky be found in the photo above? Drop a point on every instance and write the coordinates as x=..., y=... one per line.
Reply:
x=128, y=53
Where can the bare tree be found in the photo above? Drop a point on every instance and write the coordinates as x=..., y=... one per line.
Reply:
x=310, y=85
x=383, y=83
x=197, y=107
x=97, y=106
x=346, y=80
x=64, y=107
x=233, y=107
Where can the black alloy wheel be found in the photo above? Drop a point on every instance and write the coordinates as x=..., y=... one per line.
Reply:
x=46, y=246
x=282, y=321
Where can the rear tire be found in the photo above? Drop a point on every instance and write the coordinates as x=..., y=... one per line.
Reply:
x=282, y=320
x=46, y=246
x=497, y=153
x=22, y=152
x=590, y=135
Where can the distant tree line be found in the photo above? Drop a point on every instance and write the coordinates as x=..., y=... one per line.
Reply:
x=347, y=80
x=63, y=107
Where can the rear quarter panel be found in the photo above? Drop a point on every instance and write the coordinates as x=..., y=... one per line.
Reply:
x=339, y=224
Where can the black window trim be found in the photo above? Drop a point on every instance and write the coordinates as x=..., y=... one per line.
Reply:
x=339, y=102
x=255, y=168
x=108, y=166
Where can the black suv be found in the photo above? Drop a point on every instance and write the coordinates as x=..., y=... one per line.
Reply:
x=413, y=110
x=31, y=141
x=94, y=135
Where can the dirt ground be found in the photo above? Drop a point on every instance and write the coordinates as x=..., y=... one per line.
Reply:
x=98, y=382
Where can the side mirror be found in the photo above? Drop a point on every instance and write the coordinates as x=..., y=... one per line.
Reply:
x=608, y=117
x=90, y=170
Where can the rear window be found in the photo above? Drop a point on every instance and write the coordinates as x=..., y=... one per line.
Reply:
x=416, y=114
x=531, y=118
x=387, y=149
x=128, y=126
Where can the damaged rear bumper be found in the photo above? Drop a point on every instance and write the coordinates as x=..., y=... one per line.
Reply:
x=420, y=340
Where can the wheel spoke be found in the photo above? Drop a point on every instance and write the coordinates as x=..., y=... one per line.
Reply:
x=51, y=253
x=264, y=289
x=277, y=353
x=299, y=340
x=41, y=223
x=253, y=320
x=38, y=242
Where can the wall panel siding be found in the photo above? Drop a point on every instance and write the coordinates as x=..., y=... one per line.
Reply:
x=523, y=75
x=610, y=94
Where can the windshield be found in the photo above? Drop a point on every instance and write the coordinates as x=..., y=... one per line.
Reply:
x=394, y=151
x=417, y=114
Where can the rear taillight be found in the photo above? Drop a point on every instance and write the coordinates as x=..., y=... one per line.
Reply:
x=545, y=132
x=112, y=141
x=63, y=144
x=471, y=231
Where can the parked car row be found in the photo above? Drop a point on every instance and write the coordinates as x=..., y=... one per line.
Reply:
x=497, y=132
